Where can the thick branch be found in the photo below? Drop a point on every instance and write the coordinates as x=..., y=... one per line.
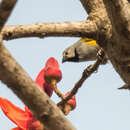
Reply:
x=76, y=29
x=97, y=14
x=19, y=82
x=6, y=7
x=92, y=5
x=119, y=14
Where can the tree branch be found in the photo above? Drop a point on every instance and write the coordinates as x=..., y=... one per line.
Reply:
x=119, y=14
x=97, y=14
x=41, y=30
x=92, y=5
x=22, y=85
x=6, y=7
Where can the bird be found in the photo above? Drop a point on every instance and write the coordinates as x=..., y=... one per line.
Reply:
x=85, y=49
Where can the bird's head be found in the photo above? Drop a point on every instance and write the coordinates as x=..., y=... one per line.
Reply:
x=70, y=55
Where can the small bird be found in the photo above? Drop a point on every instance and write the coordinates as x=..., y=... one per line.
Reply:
x=84, y=49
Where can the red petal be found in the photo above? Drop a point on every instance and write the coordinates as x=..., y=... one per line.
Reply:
x=72, y=101
x=40, y=79
x=18, y=116
x=52, y=70
x=36, y=125
x=48, y=89
x=41, y=82
x=17, y=128
x=53, y=73
x=52, y=63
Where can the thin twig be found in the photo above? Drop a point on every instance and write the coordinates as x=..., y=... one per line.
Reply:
x=87, y=72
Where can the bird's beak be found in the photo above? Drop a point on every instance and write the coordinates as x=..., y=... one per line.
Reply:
x=63, y=59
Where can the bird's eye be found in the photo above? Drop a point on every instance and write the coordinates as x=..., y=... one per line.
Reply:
x=66, y=53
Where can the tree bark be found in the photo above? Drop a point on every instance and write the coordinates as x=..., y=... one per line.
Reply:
x=6, y=7
x=42, y=30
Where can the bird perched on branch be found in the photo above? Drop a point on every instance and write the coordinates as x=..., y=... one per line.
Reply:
x=84, y=49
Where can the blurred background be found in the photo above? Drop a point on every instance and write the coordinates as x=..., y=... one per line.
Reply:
x=100, y=105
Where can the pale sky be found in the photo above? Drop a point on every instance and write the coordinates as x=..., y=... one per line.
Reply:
x=100, y=105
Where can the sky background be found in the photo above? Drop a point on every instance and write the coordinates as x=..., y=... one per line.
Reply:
x=100, y=105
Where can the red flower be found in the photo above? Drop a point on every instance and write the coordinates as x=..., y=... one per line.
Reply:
x=24, y=119
x=72, y=101
x=50, y=71
x=69, y=105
